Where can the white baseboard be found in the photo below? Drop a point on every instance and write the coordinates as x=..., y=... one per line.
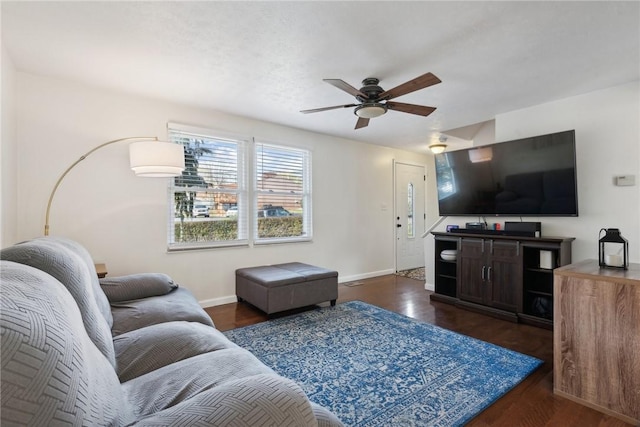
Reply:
x=341, y=279
x=217, y=301
x=353, y=278
x=429, y=287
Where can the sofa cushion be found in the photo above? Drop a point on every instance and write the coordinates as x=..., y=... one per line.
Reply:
x=177, y=305
x=147, y=349
x=54, y=257
x=136, y=286
x=187, y=378
x=83, y=253
x=325, y=417
x=257, y=401
x=52, y=373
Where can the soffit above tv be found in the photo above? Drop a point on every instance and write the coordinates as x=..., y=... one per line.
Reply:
x=477, y=134
x=469, y=133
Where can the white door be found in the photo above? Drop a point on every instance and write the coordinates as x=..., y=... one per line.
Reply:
x=410, y=210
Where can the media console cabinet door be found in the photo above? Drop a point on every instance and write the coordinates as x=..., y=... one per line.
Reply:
x=597, y=338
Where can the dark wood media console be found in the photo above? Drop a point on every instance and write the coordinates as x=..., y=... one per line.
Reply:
x=505, y=276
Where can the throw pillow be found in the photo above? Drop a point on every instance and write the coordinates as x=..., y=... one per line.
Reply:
x=136, y=286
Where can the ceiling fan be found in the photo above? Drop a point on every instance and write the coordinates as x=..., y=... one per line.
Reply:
x=375, y=101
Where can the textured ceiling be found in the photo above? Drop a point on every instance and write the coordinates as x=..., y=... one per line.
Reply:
x=266, y=60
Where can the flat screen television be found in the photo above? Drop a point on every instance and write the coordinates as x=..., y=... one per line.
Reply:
x=526, y=177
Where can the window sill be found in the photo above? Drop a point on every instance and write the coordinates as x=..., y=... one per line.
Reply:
x=206, y=245
x=282, y=240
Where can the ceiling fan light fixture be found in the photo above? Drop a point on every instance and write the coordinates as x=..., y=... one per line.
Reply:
x=437, y=148
x=370, y=110
x=375, y=101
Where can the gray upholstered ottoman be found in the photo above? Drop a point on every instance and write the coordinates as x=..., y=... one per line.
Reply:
x=274, y=288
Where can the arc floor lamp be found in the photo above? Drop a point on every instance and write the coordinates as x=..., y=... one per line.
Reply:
x=148, y=157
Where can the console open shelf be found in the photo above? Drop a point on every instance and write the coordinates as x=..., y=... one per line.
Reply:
x=446, y=271
x=510, y=277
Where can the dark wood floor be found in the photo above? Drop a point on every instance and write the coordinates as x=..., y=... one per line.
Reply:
x=531, y=403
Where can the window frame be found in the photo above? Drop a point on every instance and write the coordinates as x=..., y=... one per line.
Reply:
x=306, y=195
x=246, y=193
x=241, y=192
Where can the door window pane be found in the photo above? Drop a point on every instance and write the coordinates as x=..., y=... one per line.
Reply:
x=410, y=211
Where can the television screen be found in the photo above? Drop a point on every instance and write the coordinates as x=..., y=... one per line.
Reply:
x=532, y=176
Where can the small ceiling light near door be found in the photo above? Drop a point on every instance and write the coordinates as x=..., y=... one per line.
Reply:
x=437, y=148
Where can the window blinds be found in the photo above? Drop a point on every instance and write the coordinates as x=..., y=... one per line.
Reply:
x=222, y=198
x=209, y=199
x=282, y=189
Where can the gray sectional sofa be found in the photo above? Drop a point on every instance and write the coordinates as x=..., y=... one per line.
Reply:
x=134, y=350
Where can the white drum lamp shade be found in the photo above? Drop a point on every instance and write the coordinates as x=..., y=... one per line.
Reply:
x=156, y=159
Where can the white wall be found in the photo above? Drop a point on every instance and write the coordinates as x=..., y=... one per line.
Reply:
x=607, y=125
x=122, y=219
x=486, y=134
x=8, y=154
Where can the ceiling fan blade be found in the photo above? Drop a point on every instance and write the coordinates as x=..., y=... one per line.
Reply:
x=418, y=83
x=317, y=110
x=341, y=84
x=420, y=110
x=361, y=123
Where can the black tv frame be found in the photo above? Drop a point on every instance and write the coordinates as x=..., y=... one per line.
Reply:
x=566, y=206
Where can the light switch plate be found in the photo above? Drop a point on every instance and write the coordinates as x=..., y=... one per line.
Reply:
x=625, y=180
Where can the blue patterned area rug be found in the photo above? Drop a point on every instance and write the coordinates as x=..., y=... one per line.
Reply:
x=373, y=367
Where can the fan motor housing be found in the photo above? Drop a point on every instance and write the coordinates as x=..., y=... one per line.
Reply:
x=371, y=89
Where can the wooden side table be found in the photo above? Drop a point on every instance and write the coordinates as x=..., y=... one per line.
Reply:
x=596, y=338
x=101, y=270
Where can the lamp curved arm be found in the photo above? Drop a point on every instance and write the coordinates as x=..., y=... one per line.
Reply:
x=84, y=156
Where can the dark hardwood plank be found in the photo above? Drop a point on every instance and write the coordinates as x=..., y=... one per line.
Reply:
x=531, y=403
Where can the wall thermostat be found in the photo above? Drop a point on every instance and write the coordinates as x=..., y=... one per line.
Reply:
x=625, y=180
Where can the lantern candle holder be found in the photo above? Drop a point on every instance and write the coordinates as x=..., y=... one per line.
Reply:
x=613, y=249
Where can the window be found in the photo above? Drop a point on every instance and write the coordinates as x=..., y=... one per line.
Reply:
x=410, y=212
x=210, y=188
x=282, y=196
x=446, y=177
x=222, y=200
